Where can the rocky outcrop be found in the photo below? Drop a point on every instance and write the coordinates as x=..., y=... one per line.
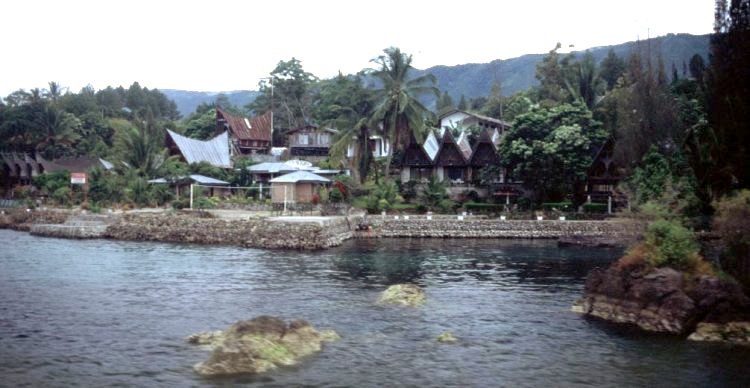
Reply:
x=258, y=345
x=662, y=300
x=404, y=295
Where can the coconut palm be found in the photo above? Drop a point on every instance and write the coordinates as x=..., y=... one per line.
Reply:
x=142, y=148
x=398, y=109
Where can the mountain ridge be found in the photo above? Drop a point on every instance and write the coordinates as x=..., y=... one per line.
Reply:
x=476, y=79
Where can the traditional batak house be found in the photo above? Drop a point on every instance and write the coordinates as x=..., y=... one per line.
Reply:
x=451, y=161
x=603, y=178
x=248, y=136
x=416, y=162
x=20, y=168
x=461, y=120
x=484, y=154
x=215, y=151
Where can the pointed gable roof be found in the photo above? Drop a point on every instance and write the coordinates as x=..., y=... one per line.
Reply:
x=415, y=155
x=243, y=128
x=485, y=152
x=464, y=145
x=449, y=154
x=214, y=151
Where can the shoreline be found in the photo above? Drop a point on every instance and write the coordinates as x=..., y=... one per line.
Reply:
x=249, y=230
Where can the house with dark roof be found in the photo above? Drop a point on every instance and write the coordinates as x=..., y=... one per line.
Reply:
x=247, y=135
x=21, y=168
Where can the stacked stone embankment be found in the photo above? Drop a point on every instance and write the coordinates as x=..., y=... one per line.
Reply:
x=22, y=219
x=471, y=227
x=76, y=226
x=314, y=233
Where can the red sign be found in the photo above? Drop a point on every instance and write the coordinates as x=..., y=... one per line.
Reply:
x=78, y=178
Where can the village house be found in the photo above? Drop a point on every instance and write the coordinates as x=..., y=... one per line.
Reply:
x=310, y=141
x=20, y=168
x=462, y=120
x=296, y=187
x=247, y=135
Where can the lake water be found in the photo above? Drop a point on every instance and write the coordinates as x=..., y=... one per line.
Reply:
x=103, y=313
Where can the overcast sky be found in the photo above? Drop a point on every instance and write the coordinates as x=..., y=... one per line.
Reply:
x=220, y=45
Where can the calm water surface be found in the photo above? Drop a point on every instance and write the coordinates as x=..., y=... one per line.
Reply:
x=103, y=313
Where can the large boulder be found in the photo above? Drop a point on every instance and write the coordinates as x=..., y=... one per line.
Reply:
x=403, y=294
x=668, y=301
x=258, y=345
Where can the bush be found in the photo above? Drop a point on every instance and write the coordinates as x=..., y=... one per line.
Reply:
x=484, y=207
x=668, y=243
x=335, y=195
x=732, y=223
x=61, y=195
x=595, y=207
x=564, y=206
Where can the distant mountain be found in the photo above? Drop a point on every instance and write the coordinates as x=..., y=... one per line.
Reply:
x=476, y=79
x=516, y=74
x=187, y=101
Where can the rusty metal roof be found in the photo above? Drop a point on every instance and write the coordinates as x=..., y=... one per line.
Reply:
x=256, y=128
x=214, y=151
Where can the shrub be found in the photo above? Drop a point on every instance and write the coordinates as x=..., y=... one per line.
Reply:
x=61, y=195
x=335, y=195
x=595, y=207
x=484, y=207
x=564, y=206
x=668, y=243
x=732, y=223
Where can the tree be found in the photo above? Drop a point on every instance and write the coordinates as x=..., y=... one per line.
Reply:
x=550, y=73
x=288, y=90
x=462, y=104
x=647, y=113
x=611, y=69
x=549, y=149
x=444, y=103
x=729, y=86
x=398, y=110
x=346, y=104
x=582, y=80
x=141, y=147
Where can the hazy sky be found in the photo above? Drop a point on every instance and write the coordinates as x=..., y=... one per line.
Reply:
x=221, y=45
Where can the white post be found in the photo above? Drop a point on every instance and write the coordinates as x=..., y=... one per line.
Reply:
x=507, y=199
x=609, y=204
x=191, y=196
x=284, y=199
x=261, y=190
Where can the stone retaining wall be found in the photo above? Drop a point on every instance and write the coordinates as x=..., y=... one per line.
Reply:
x=20, y=219
x=253, y=232
x=471, y=227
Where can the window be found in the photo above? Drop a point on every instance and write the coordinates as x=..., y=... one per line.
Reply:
x=302, y=139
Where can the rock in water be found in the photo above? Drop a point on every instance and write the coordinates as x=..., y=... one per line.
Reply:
x=668, y=301
x=403, y=294
x=446, y=337
x=258, y=345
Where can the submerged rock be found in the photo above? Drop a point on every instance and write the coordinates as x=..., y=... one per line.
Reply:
x=403, y=294
x=733, y=332
x=258, y=345
x=667, y=301
x=447, y=337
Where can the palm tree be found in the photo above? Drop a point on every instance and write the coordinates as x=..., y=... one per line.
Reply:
x=357, y=135
x=142, y=148
x=583, y=82
x=57, y=131
x=398, y=109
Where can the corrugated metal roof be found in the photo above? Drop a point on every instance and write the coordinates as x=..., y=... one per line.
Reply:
x=197, y=178
x=276, y=167
x=207, y=180
x=107, y=165
x=299, y=176
x=496, y=137
x=257, y=128
x=214, y=151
